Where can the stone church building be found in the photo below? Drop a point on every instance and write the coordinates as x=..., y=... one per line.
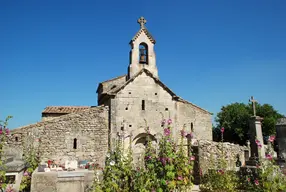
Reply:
x=126, y=106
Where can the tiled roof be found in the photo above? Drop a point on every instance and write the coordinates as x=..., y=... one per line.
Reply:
x=64, y=109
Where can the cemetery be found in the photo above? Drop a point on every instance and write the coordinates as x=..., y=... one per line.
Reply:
x=142, y=137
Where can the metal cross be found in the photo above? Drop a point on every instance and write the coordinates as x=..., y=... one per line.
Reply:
x=142, y=22
x=253, y=105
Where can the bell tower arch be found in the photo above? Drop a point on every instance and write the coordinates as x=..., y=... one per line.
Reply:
x=142, y=54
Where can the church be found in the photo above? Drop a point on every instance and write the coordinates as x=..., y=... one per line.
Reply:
x=126, y=106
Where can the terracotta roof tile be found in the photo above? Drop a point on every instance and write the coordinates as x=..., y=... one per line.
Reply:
x=64, y=109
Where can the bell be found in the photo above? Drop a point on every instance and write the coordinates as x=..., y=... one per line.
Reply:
x=142, y=55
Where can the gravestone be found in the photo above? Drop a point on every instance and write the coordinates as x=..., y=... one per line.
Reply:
x=281, y=137
x=255, y=131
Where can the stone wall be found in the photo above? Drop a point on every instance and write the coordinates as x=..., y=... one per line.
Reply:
x=194, y=119
x=208, y=153
x=82, y=135
x=126, y=112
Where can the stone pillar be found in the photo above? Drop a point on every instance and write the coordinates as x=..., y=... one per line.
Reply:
x=281, y=137
x=256, y=134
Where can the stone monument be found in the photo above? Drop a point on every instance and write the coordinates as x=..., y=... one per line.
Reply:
x=281, y=137
x=256, y=139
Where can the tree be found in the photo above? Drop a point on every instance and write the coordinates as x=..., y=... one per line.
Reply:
x=235, y=119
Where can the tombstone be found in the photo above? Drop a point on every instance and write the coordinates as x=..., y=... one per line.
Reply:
x=281, y=138
x=14, y=172
x=255, y=132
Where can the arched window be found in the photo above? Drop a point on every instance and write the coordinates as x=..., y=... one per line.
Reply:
x=75, y=143
x=143, y=53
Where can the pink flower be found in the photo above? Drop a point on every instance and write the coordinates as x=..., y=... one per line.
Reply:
x=269, y=157
x=167, y=131
x=259, y=145
x=192, y=158
x=169, y=121
x=1, y=131
x=190, y=136
x=26, y=173
x=164, y=121
x=7, y=131
x=271, y=138
x=256, y=182
x=180, y=178
x=183, y=133
x=220, y=171
x=248, y=179
x=222, y=130
x=257, y=141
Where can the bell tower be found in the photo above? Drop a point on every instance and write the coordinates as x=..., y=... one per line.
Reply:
x=142, y=54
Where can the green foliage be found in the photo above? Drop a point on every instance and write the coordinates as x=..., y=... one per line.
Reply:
x=219, y=178
x=167, y=169
x=235, y=117
x=32, y=160
x=267, y=176
x=4, y=132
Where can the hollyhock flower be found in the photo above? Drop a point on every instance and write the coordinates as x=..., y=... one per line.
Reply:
x=256, y=182
x=180, y=178
x=26, y=173
x=183, y=133
x=169, y=121
x=269, y=157
x=271, y=138
x=259, y=145
x=248, y=179
x=1, y=131
x=222, y=130
x=7, y=131
x=167, y=132
x=192, y=158
x=257, y=141
x=220, y=171
x=190, y=136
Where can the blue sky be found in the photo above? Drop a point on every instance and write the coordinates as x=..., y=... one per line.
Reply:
x=211, y=53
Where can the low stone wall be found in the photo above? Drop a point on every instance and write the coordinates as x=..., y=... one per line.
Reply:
x=208, y=152
x=76, y=136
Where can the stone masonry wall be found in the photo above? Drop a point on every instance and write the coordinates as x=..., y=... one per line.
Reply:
x=209, y=151
x=55, y=138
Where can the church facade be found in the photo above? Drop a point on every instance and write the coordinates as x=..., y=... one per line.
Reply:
x=126, y=106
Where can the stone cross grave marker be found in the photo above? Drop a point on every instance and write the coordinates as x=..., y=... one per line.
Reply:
x=253, y=101
x=257, y=149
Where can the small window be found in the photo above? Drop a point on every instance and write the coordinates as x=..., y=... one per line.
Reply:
x=126, y=108
x=129, y=93
x=16, y=139
x=192, y=127
x=75, y=143
x=166, y=109
x=143, y=105
x=122, y=128
x=130, y=125
x=156, y=94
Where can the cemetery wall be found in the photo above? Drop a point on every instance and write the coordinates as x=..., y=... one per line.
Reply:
x=210, y=151
x=82, y=135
